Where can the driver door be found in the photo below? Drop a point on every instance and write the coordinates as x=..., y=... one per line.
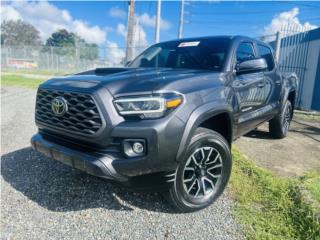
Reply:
x=249, y=91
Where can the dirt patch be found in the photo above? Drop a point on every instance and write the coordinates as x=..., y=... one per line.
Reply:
x=295, y=155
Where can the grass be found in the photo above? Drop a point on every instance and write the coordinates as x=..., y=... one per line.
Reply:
x=307, y=117
x=311, y=189
x=20, y=81
x=269, y=207
x=312, y=183
x=38, y=72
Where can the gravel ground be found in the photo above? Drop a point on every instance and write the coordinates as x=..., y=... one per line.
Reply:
x=44, y=199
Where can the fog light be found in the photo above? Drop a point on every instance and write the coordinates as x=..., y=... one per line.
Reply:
x=137, y=147
x=134, y=147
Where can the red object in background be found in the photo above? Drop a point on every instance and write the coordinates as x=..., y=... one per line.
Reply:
x=22, y=63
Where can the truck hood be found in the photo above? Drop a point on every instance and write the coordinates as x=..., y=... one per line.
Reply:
x=138, y=81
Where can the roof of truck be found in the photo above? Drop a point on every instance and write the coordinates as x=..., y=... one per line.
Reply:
x=226, y=37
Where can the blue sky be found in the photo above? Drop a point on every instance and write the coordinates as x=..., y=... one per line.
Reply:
x=104, y=22
x=202, y=18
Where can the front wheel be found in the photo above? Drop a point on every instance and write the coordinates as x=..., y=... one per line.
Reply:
x=279, y=125
x=203, y=174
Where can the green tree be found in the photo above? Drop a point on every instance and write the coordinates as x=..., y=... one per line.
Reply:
x=19, y=33
x=68, y=43
x=61, y=38
x=62, y=41
x=88, y=51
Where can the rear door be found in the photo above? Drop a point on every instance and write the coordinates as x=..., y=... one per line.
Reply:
x=249, y=91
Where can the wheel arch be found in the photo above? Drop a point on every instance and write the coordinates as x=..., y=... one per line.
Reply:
x=207, y=116
x=290, y=89
x=291, y=95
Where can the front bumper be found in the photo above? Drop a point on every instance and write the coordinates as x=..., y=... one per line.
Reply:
x=99, y=153
x=114, y=165
x=97, y=165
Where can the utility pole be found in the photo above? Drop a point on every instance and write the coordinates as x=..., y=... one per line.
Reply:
x=158, y=19
x=130, y=30
x=181, y=19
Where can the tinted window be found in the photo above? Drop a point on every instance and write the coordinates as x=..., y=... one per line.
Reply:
x=245, y=52
x=266, y=53
x=206, y=54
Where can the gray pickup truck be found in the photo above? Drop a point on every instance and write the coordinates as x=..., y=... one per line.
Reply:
x=167, y=120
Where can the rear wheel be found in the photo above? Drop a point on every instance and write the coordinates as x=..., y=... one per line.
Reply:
x=202, y=176
x=279, y=125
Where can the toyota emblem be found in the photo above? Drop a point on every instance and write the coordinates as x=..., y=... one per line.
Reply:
x=59, y=106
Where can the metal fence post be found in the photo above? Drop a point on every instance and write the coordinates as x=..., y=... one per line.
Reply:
x=278, y=45
x=51, y=52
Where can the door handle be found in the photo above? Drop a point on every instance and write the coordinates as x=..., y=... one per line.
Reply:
x=261, y=85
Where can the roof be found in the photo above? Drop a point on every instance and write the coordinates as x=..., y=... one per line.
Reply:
x=227, y=37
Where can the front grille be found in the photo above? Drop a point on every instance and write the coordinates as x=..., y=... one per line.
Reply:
x=114, y=147
x=82, y=115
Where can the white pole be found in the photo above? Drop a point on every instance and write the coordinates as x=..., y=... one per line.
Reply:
x=181, y=19
x=158, y=19
x=278, y=46
x=130, y=29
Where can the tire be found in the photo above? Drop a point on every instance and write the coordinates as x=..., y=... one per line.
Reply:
x=279, y=125
x=197, y=186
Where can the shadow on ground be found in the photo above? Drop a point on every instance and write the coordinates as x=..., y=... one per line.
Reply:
x=60, y=188
x=260, y=134
x=302, y=128
x=307, y=130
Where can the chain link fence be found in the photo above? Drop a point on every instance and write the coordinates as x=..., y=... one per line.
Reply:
x=61, y=60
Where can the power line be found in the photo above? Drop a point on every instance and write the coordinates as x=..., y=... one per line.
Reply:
x=315, y=4
x=302, y=4
x=245, y=15
x=228, y=12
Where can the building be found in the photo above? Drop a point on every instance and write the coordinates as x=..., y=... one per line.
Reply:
x=300, y=53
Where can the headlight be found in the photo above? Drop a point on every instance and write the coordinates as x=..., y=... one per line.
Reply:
x=148, y=107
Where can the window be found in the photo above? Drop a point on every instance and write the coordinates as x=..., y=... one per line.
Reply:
x=266, y=53
x=245, y=52
x=208, y=54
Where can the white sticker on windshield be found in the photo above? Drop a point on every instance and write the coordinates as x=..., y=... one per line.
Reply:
x=189, y=44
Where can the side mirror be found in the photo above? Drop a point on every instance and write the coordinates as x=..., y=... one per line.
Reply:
x=253, y=65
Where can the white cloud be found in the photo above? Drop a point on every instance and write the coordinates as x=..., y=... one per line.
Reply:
x=139, y=35
x=90, y=34
x=146, y=20
x=115, y=55
x=9, y=13
x=117, y=13
x=287, y=19
x=121, y=30
x=47, y=18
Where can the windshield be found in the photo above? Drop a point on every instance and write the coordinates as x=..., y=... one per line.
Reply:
x=206, y=54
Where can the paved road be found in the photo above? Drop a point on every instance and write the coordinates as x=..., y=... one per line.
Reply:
x=295, y=155
x=43, y=199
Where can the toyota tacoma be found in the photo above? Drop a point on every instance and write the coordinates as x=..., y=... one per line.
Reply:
x=169, y=117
